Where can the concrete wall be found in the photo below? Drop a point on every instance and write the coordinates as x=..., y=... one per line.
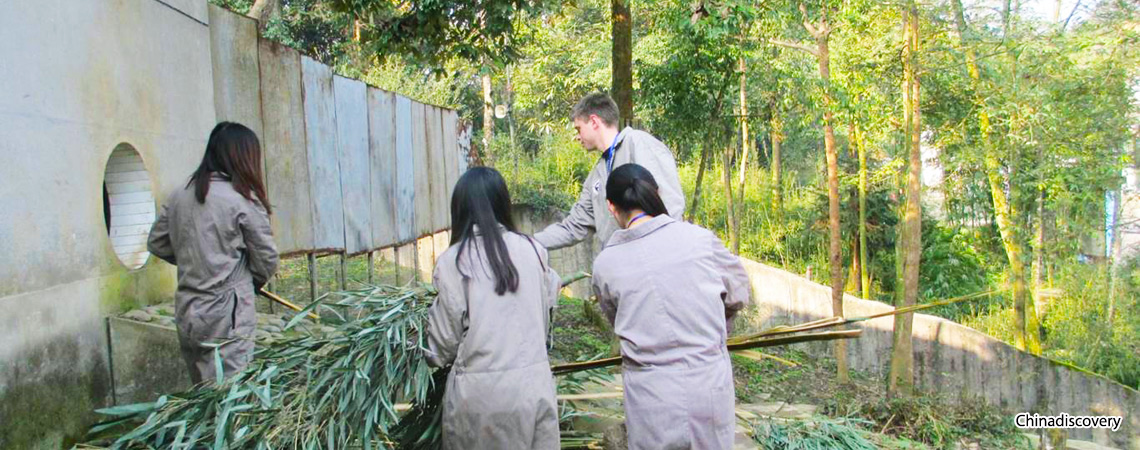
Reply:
x=952, y=359
x=566, y=261
x=81, y=77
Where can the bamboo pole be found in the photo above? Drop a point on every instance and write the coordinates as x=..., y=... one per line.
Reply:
x=286, y=303
x=767, y=338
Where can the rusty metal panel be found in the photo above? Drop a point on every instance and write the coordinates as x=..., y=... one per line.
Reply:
x=382, y=150
x=450, y=152
x=405, y=171
x=424, y=217
x=439, y=194
x=283, y=143
x=324, y=168
x=355, y=174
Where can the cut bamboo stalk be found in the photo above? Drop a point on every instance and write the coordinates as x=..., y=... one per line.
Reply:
x=286, y=303
x=758, y=343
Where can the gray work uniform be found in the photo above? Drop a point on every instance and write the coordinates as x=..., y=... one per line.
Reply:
x=500, y=393
x=590, y=212
x=223, y=248
x=671, y=289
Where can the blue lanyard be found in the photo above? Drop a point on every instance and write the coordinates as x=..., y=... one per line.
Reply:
x=610, y=155
x=634, y=219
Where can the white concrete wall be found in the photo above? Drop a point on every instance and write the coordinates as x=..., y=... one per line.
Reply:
x=79, y=77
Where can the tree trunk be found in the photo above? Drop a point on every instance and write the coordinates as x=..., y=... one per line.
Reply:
x=488, y=114
x=730, y=202
x=864, y=279
x=1117, y=255
x=264, y=11
x=622, y=82
x=1003, y=210
x=902, y=356
x=710, y=137
x=821, y=33
x=1038, y=269
x=853, y=278
x=745, y=140
x=700, y=178
x=777, y=183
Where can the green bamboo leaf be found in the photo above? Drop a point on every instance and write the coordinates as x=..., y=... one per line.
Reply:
x=127, y=410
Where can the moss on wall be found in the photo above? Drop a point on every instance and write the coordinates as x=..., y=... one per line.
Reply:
x=124, y=290
x=41, y=408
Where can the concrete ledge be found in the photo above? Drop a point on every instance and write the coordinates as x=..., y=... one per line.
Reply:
x=145, y=361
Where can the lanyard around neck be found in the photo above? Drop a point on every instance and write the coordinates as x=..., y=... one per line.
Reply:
x=634, y=219
x=610, y=155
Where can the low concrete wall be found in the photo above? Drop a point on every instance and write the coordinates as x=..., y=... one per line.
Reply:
x=145, y=361
x=567, y=260
x=952, y=359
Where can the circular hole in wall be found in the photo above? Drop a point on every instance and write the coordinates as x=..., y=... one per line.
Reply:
x=128, y=205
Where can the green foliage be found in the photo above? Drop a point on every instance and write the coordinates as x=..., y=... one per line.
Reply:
x=943, y=423
x=820, y=433
x=550, y=179
x=434, y=31
x=1077, y=327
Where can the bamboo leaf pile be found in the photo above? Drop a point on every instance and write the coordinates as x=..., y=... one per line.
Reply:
x=314, y=392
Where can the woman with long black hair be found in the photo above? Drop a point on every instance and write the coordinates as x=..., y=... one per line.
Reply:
x=216, y=230
x=490, y=323
x=671, y=290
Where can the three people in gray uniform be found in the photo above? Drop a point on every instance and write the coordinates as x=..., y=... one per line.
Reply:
x=669, y=288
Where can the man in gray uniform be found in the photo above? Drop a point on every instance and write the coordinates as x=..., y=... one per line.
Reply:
x=596, y=118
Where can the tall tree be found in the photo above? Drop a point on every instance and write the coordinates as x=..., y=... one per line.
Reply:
x=901, y=379
x=745, y=140
x=820, y=32
x=730, y=201
x=488, y=111
x=1006, y=212
x=864, y=277
x=622, y=60
x=776, y=125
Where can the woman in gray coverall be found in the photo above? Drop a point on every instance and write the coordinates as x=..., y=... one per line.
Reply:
x=670, y=289
x=216, y=230
x=490, y=321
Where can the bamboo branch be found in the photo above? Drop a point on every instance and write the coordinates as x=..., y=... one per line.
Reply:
x=286, y=303
x=794, y=45
x=746, y=345
x=566, y=280
x=766, y=338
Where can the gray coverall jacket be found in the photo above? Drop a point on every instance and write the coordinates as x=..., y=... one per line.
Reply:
x=223, y=249
x=500, y=393
x=590, y=212
x=670, y=289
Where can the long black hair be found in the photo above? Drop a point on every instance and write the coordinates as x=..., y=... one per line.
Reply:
x=232, y=150
x=481, y=199
x=631, y=187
